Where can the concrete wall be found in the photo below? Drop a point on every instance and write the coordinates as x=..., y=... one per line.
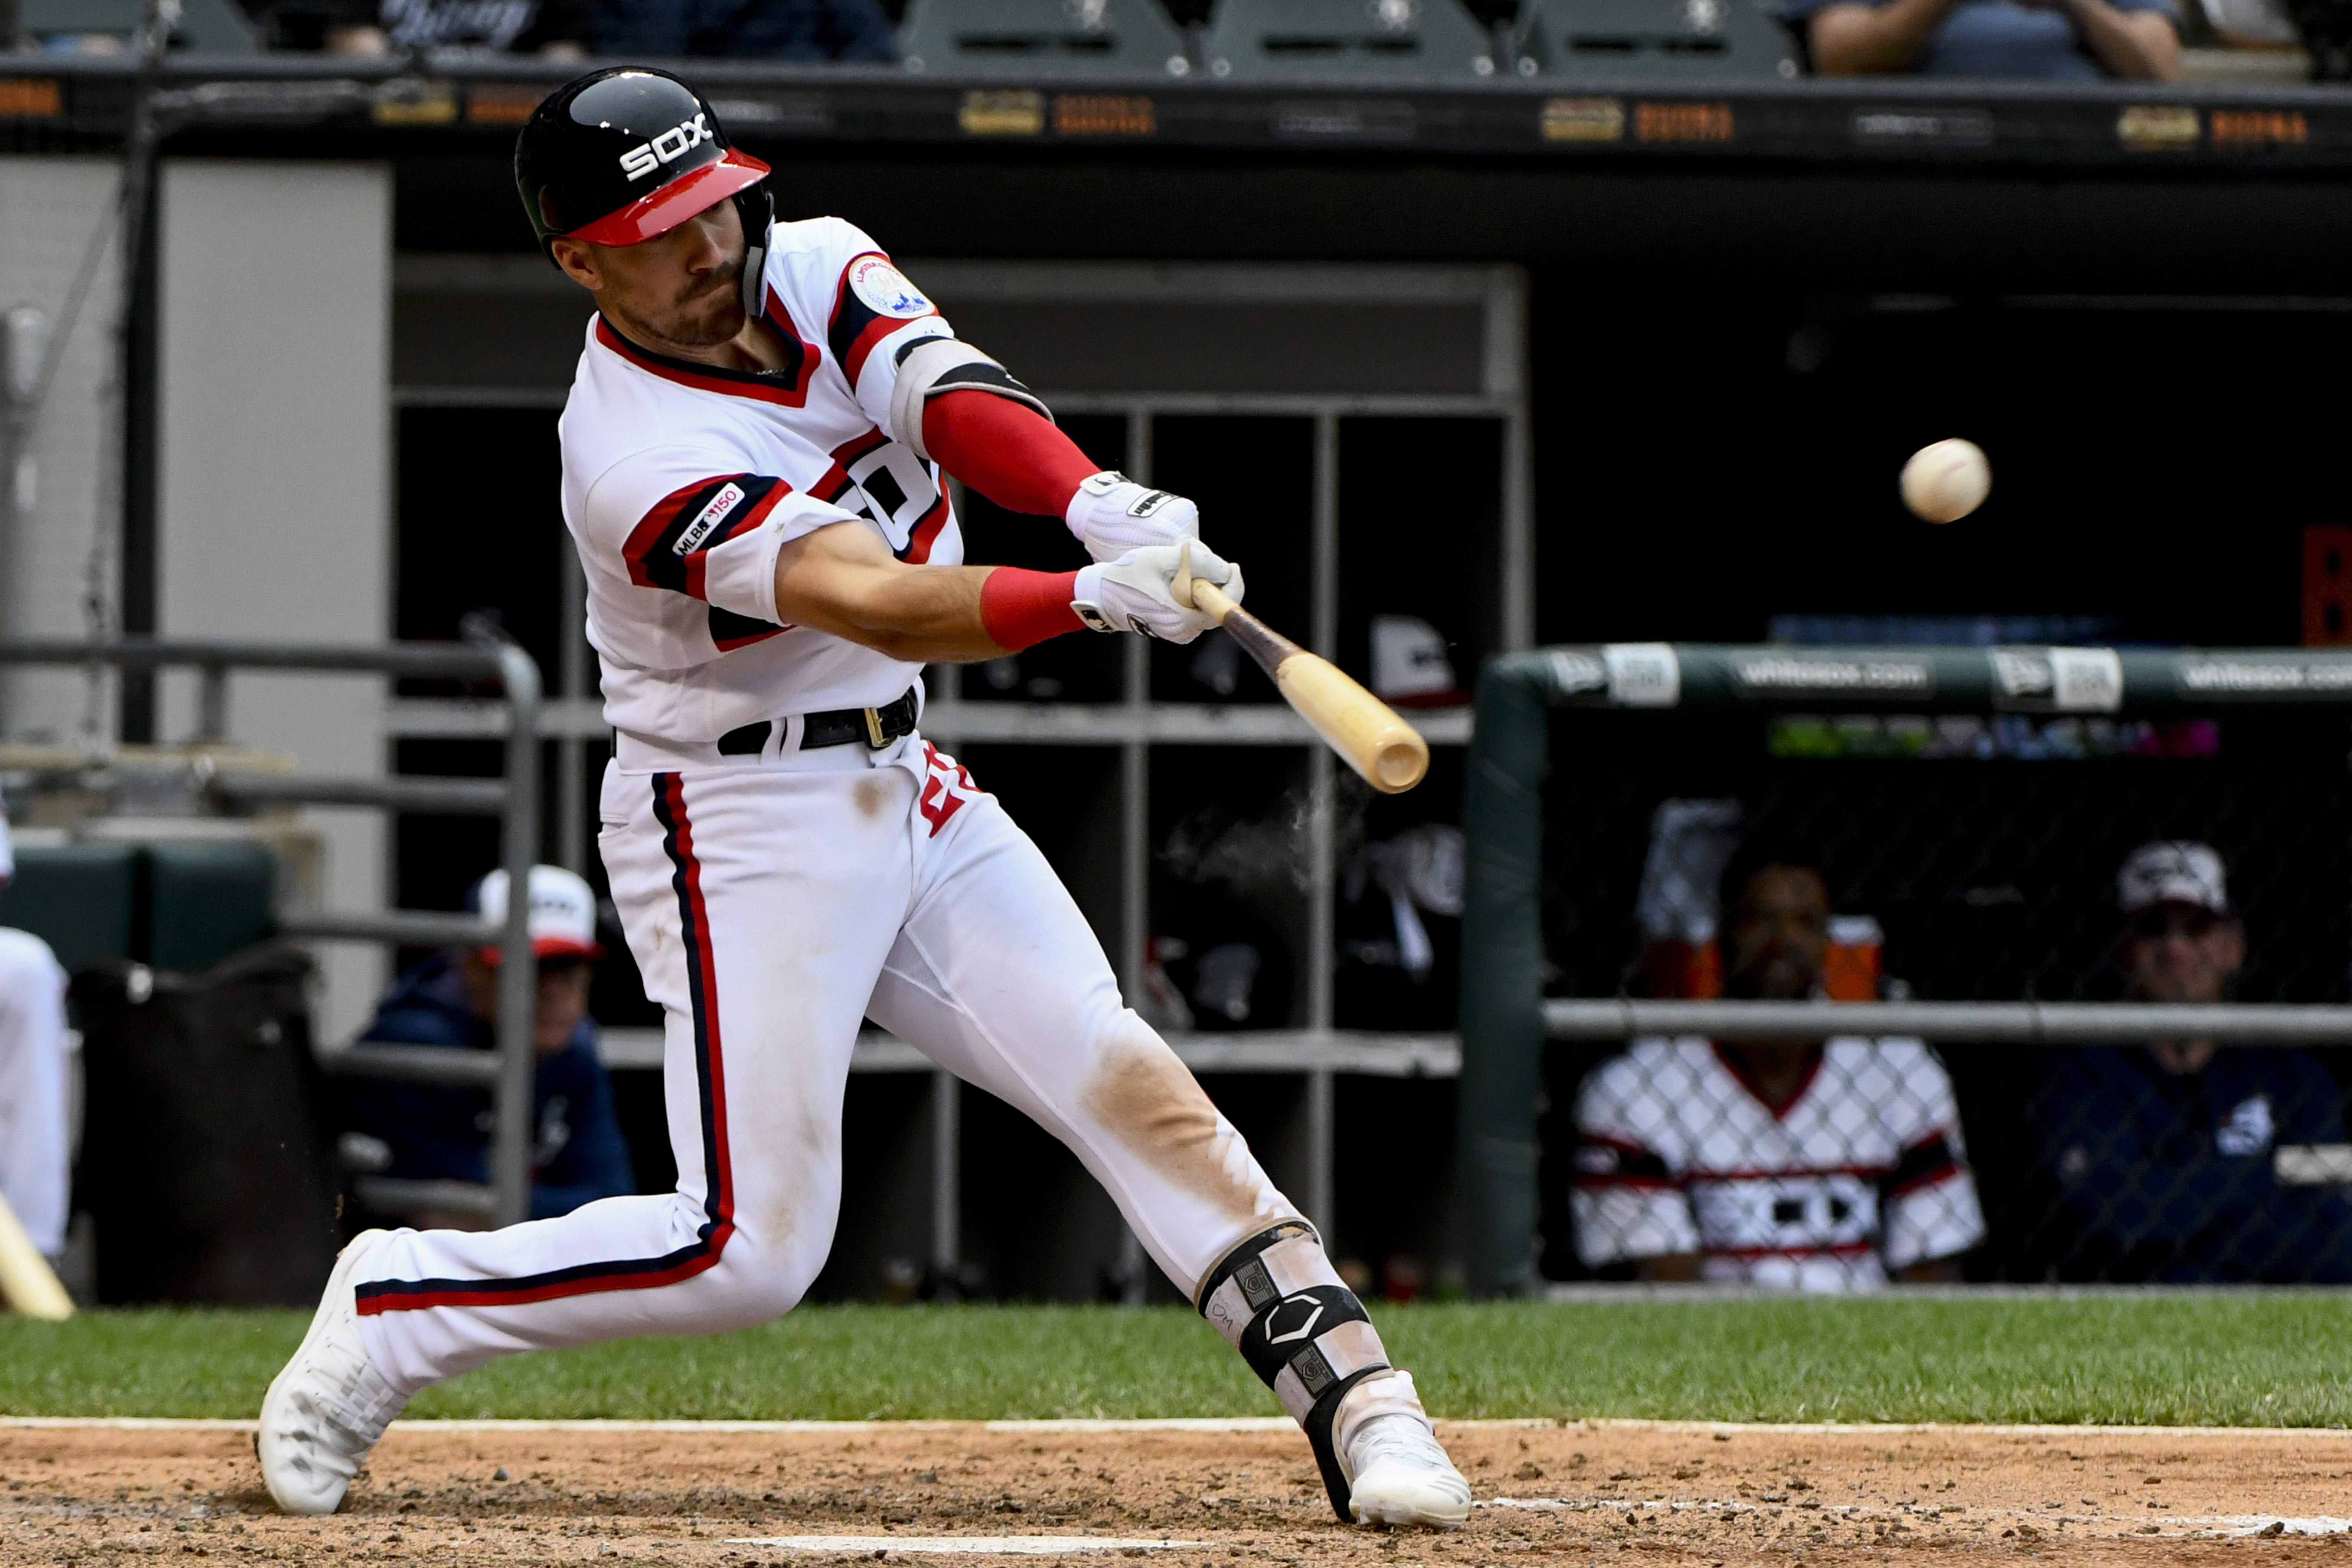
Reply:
x=274, y=505
x=51, y=210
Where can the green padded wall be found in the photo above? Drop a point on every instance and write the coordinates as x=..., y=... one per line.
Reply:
x=81, y=899
x=174, y=905
x=207, y=901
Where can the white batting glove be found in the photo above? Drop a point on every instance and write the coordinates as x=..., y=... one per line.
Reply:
x=1111, y=514
x=1136, y=592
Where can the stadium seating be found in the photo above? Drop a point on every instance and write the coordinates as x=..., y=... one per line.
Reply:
x=1346, y=38
x=1013, y=37
x=1688, y=40
x=208, y=27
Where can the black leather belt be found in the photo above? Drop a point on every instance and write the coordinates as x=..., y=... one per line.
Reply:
x=877, y=727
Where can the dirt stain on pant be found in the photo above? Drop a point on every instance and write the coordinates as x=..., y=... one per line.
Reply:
x=1144, y=1093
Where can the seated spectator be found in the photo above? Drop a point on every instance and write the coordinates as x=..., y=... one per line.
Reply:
x=1823, y=1166
x=553, y=29
x=2163, y=1153
x=34, y=1161
x=443, y=1131
x=745, y=29
x=2056, y=40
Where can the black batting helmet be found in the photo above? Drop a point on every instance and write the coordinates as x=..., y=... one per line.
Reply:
x=625, y=153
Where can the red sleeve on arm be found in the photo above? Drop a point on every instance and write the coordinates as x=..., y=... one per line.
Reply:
x=1005, y=450
x=1020, y=609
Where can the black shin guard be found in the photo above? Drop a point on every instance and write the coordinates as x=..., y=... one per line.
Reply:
x=1277, y=1299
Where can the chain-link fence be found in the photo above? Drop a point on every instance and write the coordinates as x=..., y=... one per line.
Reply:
x=1752, y=851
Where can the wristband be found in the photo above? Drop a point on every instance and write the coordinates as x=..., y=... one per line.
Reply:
x=1021, y=608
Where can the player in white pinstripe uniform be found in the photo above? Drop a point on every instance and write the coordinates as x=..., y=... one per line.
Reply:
x=752, y=473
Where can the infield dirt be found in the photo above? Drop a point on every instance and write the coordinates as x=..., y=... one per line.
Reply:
x=1578, y=1493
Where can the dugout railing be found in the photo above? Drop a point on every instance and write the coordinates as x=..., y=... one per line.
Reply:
x=509, y=1070
x=1506, y=1019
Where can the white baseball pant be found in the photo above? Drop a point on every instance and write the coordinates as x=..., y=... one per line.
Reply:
x=773, y=904
x=34, y=1161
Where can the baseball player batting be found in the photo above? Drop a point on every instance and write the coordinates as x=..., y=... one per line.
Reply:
x=754, y=454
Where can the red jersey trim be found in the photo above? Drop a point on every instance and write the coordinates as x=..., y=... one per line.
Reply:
x=836, y=478
x=1942, y=1172
x=1792, y=1173
x=777, y=390
x=925, y=533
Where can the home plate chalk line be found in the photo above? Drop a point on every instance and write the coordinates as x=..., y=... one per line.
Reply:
x=967, y=1545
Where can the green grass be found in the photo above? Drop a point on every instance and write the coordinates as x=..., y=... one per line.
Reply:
x=2262, y=1360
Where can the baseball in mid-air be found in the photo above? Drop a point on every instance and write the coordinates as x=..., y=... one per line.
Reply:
x=1946, y=481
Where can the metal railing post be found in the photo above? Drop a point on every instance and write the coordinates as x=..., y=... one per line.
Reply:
x=212, y=702
x=516, y=1131
x=1955, y=1023
x=510, y=1072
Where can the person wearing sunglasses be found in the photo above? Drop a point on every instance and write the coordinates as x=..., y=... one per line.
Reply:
x=2164, y=1154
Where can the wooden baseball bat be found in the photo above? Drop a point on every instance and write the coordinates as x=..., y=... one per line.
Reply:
x=1364, y=730
x=24, y=1276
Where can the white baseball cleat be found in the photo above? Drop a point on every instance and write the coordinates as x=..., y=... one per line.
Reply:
x=329, y=1405
x=1397, y=1474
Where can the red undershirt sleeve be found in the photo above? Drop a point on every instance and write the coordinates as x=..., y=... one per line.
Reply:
x=1021, y=608
x=1005, y=450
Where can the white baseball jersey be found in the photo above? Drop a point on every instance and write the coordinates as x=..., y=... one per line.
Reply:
x=774, y=901
x=683, y=481
x=1861, y=1172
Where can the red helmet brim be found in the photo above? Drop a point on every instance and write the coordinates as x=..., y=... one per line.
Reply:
x=661, y=211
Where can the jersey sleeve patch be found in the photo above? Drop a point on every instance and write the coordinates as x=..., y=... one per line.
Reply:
x=670, y=546
x=874, y=300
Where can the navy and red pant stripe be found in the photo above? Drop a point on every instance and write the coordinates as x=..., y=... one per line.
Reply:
x=377, y=1296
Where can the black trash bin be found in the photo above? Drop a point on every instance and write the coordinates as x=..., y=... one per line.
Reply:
x=206, y=1162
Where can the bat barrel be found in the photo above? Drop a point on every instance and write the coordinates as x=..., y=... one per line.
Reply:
x=1388, y=752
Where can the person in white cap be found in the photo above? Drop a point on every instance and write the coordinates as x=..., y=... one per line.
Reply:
x=35, y=1160
x=2161, y=1154
x=439, y=1132
x=2184, y=942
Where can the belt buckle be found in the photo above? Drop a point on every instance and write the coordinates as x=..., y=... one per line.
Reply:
x=874, y=738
